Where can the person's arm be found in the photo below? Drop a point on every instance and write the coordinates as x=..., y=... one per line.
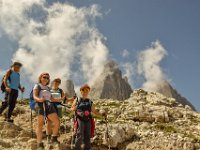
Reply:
x=6, y=79
x=36, y=96
x=59, y=100
x=63, y=95
x=72, y=99
x=21, y=88
x=94, y=111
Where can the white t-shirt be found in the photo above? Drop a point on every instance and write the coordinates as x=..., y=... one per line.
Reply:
x=44, y=93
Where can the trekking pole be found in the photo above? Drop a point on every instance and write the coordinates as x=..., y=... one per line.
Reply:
x=45, y=117
x=65, y=120
x=66, y=106
x=65, y=125
x=20, y=110
x=72, y=130
x=45, y=121
x=107, y=133
x=31, y=124
x=22, y=94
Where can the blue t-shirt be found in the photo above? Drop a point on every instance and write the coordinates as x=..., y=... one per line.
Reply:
x=14, y=80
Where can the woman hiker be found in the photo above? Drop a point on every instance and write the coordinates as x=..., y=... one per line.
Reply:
x=11, y=84
x=84, y=108
x=58, y=93
x=45, y=109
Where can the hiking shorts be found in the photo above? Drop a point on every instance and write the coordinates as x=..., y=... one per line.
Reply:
x=49, y=109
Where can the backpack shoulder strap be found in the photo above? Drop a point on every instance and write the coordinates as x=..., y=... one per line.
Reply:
x=39, y=87
x=49, y=88
x=78, y=101
x=91, y=102
x=10, y=71
x=61, y=92
x=9, y=74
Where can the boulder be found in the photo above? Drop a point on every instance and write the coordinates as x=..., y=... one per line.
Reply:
x=119, y=133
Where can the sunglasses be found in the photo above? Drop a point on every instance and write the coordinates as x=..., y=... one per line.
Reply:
x=85, y=90
x=57, y=81
x=45, y=78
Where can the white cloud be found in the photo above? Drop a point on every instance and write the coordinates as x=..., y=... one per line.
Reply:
x=125, y=53
x=129, y=71
x=149, y=65
x=63, y=41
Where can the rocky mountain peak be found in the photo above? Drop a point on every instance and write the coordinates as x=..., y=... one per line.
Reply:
x=69, y=86
x=110, y=84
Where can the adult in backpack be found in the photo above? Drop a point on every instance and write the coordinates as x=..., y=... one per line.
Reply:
x=84, y=108
x=45, y=109
x=10, y=85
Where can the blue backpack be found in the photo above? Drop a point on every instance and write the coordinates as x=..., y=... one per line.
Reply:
x=32, y=102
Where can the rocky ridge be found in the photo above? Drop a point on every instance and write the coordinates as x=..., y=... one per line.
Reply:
x=166, y=89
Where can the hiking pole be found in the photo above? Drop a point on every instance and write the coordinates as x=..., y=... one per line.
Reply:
x=31, y=124
x=65, y=120
x=45, y=117
x=72, y=130
x=65, y=125
x=67, y=107
x=45, y=121
x=20, y=110
x=64, y=105
x=22, y=94
x=107, y=133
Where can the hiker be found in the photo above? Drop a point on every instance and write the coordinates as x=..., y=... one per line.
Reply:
x=45, y=109
x=83, y=109
x=57, y=92
x=10, y=85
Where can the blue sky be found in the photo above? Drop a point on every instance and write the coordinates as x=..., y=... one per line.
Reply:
x=135, y=24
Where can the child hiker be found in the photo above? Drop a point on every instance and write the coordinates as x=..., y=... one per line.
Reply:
x=84, y=108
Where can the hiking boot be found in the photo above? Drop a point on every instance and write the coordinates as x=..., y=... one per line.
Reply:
x=40, y=146
x=54, y=140
x=9, y=120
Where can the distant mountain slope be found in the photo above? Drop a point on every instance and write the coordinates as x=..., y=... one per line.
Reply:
x=166, y=89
